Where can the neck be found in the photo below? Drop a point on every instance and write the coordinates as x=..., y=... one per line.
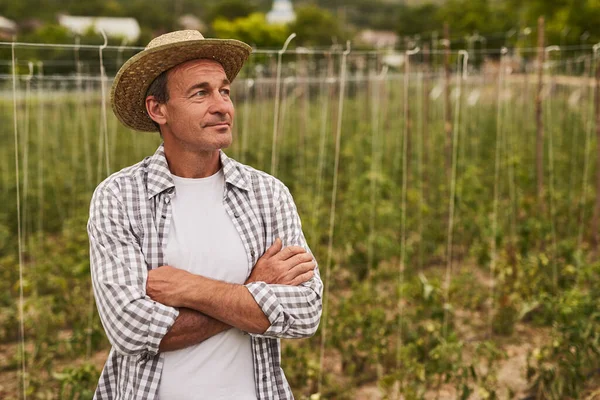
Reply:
x=192, y=164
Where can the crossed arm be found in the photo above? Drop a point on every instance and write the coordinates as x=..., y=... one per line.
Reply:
x=282, y=297
x=208, y=307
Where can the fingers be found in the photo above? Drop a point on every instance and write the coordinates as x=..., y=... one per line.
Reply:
x=274, y=248
x=303, y=268
x=300, y=279
x=298, y=259
x=290, y=251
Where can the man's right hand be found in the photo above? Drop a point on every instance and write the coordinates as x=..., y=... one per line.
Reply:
x=292, y=266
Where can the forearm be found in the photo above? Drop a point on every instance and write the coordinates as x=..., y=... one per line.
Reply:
x=293, y=311
x=191, y=327
x=134, y=324
x=229, y=303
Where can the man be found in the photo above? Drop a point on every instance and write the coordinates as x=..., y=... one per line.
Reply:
x=199, y=264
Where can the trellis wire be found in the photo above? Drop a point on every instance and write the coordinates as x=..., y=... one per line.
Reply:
x=375, y=161
x=338, y=135
x=508, y=159
x=324, y=114
x=40, y=155
x=246, y=119
x=420, y=129
x=104, y=118
x=588, y=133
x=405, y=133
x=19, y=236
x=316, y=51
x=324, y=97
x=573, y=205
x=551, y=177
x=82, y=113
x=493, y=256
x=274, y=159
x=455, y=129
x=25, y=144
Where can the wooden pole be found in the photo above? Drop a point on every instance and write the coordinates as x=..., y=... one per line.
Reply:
x=539, y=154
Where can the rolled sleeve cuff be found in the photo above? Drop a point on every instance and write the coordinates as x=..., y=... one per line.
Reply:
x=163, y=319
x=270, y=306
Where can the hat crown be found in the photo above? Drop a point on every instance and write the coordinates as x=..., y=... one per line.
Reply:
x=174, y=37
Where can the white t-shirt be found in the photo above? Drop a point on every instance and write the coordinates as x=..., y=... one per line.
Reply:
x=204, y=241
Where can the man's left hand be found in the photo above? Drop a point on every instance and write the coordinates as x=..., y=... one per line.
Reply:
x=166, y=285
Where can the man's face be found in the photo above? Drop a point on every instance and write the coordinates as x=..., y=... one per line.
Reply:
x=199, y=113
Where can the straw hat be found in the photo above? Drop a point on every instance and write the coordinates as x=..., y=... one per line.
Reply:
x=128, y=94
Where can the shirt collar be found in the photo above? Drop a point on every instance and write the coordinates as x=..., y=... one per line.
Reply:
x=234, y=173
x=160, y=179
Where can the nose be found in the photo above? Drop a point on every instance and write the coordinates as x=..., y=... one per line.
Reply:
x=221, y=104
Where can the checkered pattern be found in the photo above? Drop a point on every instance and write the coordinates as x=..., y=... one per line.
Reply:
x=129, y=220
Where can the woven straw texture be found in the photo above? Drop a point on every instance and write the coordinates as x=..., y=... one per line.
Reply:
x=128, y=94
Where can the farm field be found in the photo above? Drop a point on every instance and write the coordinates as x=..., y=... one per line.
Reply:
x=451, y=270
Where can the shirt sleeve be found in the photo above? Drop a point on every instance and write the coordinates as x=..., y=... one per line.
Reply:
x=134, y=323
x=293, y=311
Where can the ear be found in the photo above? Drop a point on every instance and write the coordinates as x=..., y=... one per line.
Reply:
x=156, y=110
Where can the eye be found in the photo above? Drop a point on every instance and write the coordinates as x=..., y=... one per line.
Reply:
x=200, y=93
x=225, y=92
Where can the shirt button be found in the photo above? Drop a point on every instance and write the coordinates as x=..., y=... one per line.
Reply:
x=252, y=253
x=237, y=215
x=264, y=378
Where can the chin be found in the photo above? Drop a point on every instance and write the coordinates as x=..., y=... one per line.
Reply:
x=225, y=144
x=226, y=140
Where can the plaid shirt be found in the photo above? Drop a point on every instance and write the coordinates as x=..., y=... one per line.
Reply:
x=129, y=221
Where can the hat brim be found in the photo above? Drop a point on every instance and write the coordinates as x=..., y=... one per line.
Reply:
x=128, y=94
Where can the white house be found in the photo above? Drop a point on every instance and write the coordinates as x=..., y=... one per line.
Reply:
x=281, y=13
x=127, y=28
x=7, y=28
x=378, y=39
x=189, y=21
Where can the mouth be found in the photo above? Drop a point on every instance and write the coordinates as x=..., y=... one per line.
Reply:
x=218, y=125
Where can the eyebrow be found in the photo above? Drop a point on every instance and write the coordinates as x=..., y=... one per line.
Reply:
x=205, y=85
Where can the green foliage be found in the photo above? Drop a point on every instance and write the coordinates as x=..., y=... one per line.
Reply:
x=315, y=26
x=363, y=332
x=422, y=331
x=50, y=33
x=418, y=19
x=230, y=10
x=302, y=365
x=561, y=368
x=76, y=383
x=252, y=29
x=469, y=16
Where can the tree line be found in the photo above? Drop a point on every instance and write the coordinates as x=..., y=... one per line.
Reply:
x=323, y=22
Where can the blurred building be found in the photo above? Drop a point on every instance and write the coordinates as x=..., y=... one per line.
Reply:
x=189, y=21
x=378, y=39
x=126, y=28
x=281, y=13
x=8, y=28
